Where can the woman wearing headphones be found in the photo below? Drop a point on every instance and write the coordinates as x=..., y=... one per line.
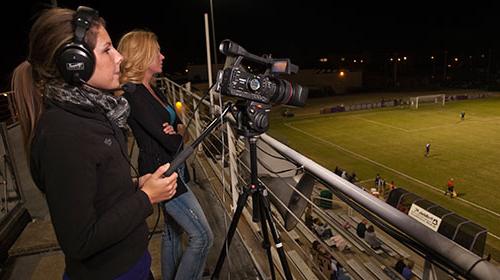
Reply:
x=73, y=133
x=159, y=134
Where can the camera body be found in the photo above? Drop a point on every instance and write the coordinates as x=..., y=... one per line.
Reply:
x=237, y=82
x=258, y=91
x=265, y=88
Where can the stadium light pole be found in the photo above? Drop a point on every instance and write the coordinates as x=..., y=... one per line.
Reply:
x=213, y=32
x=445, y=65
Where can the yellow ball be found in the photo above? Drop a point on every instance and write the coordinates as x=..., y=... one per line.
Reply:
x=178, y=105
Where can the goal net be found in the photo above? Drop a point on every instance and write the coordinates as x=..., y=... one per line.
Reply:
x=417, y=101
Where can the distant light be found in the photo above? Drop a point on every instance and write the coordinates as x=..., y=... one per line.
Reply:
x=391, y=59
x=355, y=61
x=456, y=59
x=432, y=57
x=482, y=55
x=399, y=59
x=187, y=70
x=342, y=59
x=323, y=59
x=361, y=61
x=404, y=57
x=449, y=65
x=178, y=105
x=341, y=73
x=5, y=94
x=470, y=56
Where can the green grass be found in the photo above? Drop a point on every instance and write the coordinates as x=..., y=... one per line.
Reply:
x=392, y=142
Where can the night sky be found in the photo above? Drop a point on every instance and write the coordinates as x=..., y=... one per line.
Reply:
x=301, y=30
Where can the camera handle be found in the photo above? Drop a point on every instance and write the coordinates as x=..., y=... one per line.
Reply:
x=260, y=202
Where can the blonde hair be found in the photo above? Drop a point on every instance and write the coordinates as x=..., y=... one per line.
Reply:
x=139, y=48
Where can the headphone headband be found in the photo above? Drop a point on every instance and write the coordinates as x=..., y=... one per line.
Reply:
x=83, y=19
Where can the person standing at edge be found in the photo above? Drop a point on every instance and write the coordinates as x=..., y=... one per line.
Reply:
x=159, y=134
x=73, y=130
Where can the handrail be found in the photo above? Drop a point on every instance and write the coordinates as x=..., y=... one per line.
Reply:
x=454, y=254
x=448, y=249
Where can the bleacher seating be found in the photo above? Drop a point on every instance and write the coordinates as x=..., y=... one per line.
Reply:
x=301, y=265
x=363, y=273
x=377, y=271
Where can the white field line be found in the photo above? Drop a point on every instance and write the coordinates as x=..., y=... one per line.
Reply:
x=367, y=180
x=395, y=171
x=382, y=124
x=477, y=119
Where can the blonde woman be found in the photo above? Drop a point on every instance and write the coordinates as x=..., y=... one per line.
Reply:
x=159, y=134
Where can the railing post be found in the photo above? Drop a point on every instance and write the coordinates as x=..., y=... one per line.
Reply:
x=197, y=124
x=233, y=167
x=182, y=110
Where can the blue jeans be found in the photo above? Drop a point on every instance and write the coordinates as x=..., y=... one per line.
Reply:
x=184, y=214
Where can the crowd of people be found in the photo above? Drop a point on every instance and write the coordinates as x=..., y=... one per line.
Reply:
x=351, y=177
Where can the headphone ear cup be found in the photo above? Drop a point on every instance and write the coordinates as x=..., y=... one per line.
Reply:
x=75, y=63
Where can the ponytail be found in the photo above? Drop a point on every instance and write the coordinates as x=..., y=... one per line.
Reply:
x=27, y=99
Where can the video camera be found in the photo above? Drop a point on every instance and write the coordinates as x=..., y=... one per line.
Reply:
x=261, y=90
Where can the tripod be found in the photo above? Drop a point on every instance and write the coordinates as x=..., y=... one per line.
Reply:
x=261, y=206
x=261, y=212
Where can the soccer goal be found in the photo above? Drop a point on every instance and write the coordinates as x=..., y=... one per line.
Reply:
x=427, y=99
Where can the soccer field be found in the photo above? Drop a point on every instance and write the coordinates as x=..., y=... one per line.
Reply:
x=392, y=141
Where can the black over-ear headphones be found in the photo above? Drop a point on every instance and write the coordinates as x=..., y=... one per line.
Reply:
x=75, y=60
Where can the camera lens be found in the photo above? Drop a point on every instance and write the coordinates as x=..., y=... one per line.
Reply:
x=254, y=84
x=284, y=92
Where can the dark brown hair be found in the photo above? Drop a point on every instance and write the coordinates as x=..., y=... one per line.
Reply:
x=52, y=29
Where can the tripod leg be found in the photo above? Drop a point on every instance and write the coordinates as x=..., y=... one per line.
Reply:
x=232, y=228
x=277, y=240
x=265, y=235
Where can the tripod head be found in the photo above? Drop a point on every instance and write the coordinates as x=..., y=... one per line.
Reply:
x=252, y=118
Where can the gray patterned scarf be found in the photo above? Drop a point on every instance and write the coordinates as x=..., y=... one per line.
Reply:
x=116, y=107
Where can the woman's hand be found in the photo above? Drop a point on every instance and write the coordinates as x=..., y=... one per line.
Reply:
x=143, y=179
x=168, y=129
x=157, y=187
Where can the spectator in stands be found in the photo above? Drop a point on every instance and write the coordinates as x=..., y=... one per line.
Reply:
x=338, y=171
x=344, y=174
x=400, y=265
x=371, y=238
x=317, y=249
x=392, y=186
x=73, y=128
x=327, y=233
x=309, y=218
x=340, y=242
x=341, y=274
x=407, y=271
x=352, y=178
x=377, y=179
x=333, y=267
x=427, y=149
x=361, y=228
x=320, y=229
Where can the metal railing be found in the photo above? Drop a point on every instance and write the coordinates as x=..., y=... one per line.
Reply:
x=225, y=146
